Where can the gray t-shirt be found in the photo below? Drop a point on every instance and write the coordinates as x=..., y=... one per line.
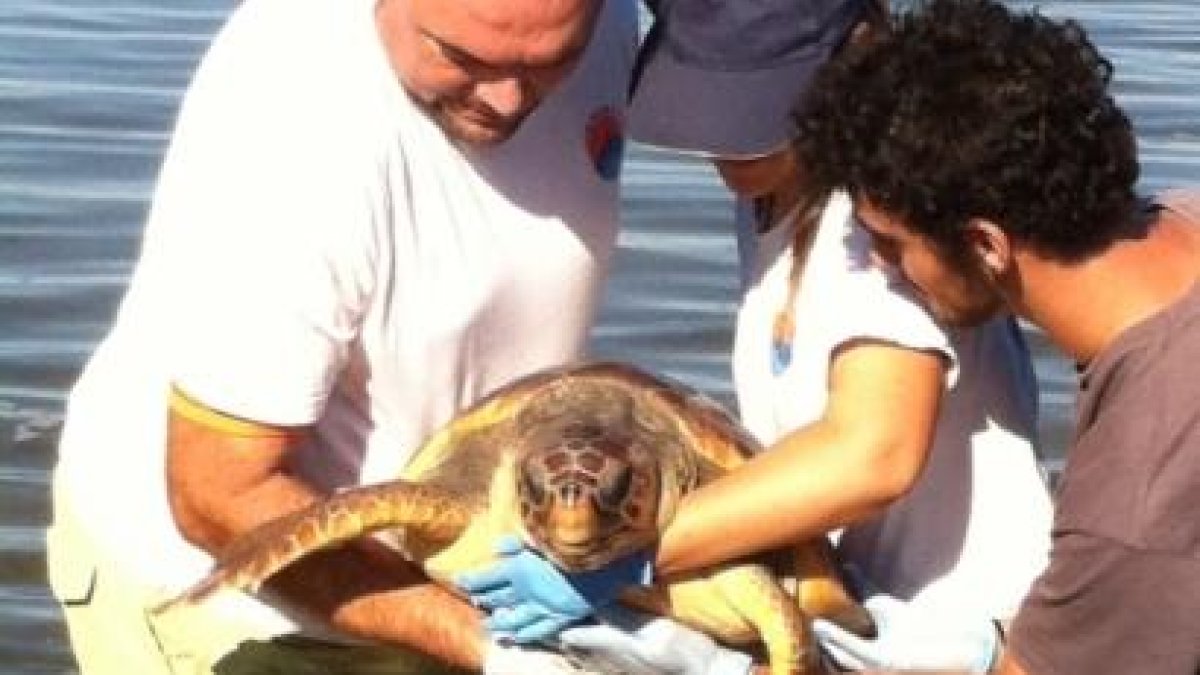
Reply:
x=1122, y=592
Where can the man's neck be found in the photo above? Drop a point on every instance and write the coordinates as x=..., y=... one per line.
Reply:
x=1084, y=306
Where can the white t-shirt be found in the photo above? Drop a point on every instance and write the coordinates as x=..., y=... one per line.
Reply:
x=318, y=252
x=975, y=530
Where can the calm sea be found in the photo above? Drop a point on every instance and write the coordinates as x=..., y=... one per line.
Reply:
x=88, y=90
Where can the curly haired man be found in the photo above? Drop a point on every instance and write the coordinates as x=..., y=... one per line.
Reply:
x=993, y=168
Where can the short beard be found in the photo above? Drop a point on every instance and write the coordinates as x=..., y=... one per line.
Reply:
x=984, y=291
x=467, y=135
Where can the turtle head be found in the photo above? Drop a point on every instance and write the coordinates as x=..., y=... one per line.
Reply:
x=588, y=482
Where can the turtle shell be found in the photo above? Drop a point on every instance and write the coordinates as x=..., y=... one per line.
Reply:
x=464, y=446
x=587, y=462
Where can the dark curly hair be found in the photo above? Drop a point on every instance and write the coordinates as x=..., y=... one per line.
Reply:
x=966, y=109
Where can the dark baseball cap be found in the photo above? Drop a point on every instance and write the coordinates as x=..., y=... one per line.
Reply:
x=722, y=77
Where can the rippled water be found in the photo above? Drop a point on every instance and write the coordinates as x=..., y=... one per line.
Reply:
x=88, y=89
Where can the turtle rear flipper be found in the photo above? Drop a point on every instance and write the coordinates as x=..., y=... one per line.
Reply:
x=434, y=513
x=784, y=630
x=820, y=591
x=742, y=605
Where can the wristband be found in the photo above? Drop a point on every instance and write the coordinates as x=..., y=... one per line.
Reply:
x=198, y=413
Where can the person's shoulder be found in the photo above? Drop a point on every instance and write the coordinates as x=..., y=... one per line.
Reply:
x=1184, y=200
x=297, y=78
x=1134, y=471
x=844, y=269
x=290, y=49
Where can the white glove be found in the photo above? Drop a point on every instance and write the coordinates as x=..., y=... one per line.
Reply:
x=519, y=660
x=912, y=638
x=637, y=644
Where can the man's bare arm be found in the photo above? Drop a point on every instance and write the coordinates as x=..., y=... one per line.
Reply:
x=222, y=485
x=874, y=435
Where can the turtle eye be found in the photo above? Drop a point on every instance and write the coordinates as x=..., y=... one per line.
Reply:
x=613, y=489
x=532, y=489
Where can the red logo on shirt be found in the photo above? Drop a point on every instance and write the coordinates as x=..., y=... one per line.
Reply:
x=605, y=140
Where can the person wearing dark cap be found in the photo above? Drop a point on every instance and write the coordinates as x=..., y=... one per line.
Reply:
x=911, y=442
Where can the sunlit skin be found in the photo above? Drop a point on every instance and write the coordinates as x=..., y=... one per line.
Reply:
x=480, y=67
x=774, y=181
x=221, y=486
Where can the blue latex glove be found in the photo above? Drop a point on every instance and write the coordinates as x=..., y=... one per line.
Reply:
x=530, y=599
x=909, y=637
x=632, y=643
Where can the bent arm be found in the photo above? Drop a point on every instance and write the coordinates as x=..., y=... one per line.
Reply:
x=866, y=450
x=223, y=483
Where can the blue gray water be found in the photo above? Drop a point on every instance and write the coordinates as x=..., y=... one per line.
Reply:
x=88, y=90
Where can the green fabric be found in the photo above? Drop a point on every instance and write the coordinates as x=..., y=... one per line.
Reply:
x=295, y=655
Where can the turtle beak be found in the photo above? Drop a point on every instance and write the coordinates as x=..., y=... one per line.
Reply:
x=574, y=524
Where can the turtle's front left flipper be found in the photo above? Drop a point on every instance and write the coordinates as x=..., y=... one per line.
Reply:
x=256, y=556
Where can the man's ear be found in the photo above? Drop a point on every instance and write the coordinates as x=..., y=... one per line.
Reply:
x=990, y=246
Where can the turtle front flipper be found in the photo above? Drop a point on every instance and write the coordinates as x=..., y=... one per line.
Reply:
x=254, y=557
x=741, y=605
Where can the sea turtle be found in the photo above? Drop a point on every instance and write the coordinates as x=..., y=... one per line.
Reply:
x=587, y=463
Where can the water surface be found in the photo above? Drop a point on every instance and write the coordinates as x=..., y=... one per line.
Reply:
x=88, y=90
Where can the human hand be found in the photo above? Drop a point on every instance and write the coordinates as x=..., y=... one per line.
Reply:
x=638, y=644
x=909, y=637
x=529, y=599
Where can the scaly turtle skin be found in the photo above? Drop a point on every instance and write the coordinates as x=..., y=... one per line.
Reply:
x=588, y=463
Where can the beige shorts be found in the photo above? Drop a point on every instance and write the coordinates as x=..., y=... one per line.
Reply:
x=106, y=612
x=113, y=632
